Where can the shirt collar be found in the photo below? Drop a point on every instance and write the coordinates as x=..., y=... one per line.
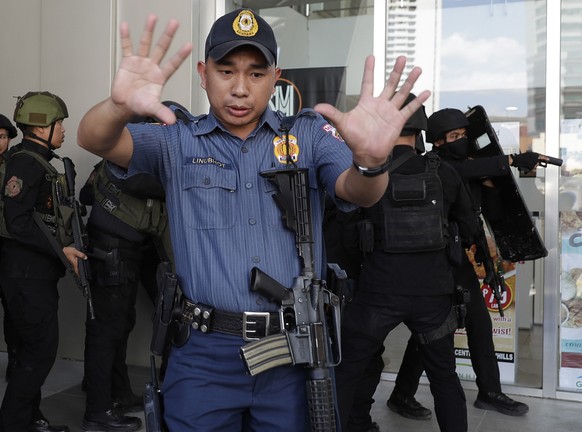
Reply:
x=209, y=122
x=37, y=148
x=400, y=149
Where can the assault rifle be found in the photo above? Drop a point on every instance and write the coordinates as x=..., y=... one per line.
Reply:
x=493, y=276
x=309, y=313
x=79, y=234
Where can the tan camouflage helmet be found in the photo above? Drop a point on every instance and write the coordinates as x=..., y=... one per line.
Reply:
x=39, y=108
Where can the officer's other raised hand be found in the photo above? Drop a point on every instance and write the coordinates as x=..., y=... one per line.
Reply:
x=138, y=84
x=373, y=126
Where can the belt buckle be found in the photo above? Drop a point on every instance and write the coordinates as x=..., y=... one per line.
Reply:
x=249, y=320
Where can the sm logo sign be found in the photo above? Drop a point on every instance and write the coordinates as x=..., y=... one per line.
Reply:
x=287, y=98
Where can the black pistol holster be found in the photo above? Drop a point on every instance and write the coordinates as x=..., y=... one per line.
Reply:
x=462, y=297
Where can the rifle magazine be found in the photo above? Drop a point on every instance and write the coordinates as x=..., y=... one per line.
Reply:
x=267, y=353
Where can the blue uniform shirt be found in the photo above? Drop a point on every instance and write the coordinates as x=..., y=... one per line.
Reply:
x=223, y=218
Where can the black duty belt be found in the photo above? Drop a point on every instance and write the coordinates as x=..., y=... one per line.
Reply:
x=109, y=241
x=249, y=325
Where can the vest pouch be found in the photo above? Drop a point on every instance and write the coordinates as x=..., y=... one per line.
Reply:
x=406, y=190
x=415, y=223
x=64, y=233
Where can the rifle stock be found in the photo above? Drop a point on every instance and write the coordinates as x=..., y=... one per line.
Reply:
x=306, y=309
x=79, y=235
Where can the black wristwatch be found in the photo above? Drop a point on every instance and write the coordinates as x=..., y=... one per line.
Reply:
x=372, y=172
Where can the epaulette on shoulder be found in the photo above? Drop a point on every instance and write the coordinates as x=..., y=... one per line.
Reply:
x=307, y=112
x=182, y=114
x=303, y=112
x=287, y=122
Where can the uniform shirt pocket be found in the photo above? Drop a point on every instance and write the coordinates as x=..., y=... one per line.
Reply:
x=210, y=198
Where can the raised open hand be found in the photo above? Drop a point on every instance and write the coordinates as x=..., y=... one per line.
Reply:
x=373, y=126
x=138, y=84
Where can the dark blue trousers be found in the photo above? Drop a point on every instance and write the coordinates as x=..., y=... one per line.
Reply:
x=206, y=388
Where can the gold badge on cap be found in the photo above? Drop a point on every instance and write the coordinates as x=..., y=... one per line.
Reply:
x=281, y=149
x=245, y=24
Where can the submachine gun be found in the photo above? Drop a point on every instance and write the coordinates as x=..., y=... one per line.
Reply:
x=309, y=312
x=79, y=234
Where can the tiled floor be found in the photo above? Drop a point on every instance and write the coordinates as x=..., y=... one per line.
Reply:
x=64, y=402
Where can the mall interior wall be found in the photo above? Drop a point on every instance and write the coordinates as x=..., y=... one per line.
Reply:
x=71, y=48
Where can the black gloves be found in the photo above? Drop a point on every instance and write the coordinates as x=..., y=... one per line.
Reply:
x=527, y=160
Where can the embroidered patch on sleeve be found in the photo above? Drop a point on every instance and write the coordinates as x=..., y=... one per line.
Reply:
x=13, y=187
x=332, y=131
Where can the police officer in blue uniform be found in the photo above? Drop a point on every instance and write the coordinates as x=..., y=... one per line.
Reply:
x=447, y=130
x=408, y=278
x=223, y=218
x=29, y=266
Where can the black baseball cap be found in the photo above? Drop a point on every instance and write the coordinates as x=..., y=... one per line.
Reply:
x=238, y=28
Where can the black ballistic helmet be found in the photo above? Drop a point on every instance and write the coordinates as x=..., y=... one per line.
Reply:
x=443, y=121
x=7, y=124
x=417, y=121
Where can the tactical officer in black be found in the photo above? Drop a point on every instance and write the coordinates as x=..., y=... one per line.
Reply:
x=447, y=130
x=125, y=215
x=29, y=266
x=407, y=278
x=7, y=133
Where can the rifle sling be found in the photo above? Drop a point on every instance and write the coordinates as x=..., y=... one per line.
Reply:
x=446, y=328
x=54, y=243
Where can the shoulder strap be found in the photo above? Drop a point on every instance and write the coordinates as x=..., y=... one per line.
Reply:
x=143, y=214
x=403, y=158
x=41, y=160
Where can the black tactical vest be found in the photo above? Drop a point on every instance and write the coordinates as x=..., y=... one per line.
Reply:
x=410, y=216
x=59, y=222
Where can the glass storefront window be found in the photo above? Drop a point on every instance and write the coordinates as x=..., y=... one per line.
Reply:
x=480, y=52
x=321, y=43
x=570, y=198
